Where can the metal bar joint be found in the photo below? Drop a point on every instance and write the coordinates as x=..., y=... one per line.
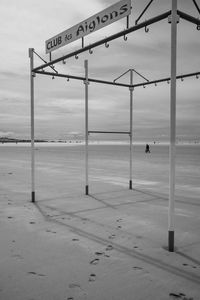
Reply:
x=170, y=19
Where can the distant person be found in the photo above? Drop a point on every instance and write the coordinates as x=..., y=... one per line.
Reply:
x=147, y=149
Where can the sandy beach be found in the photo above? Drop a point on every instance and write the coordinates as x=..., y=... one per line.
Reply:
x=110, y=245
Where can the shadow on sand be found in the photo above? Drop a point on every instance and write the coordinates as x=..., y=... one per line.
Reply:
x=120, y=248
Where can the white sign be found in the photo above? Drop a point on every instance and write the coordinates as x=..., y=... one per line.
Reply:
x=107, y=16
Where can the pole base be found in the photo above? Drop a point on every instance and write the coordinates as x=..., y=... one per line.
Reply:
x=130, y=184
x=33, y=197
x=87, y=190
x=171, y=241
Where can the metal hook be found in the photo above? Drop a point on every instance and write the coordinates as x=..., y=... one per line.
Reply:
x=146, y=29
x=106, y=44
x=182, y=79
x=90, y=51
x=67, y=78
x=168, y=81
x=64, y=62
x=155, y=84
x=76, y=56
x=144, y=86
x=197, y=76
x=198, y=27
x=52, y=77
x=125, y=38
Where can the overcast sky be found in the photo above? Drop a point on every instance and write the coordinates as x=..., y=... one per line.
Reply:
x=59, y=105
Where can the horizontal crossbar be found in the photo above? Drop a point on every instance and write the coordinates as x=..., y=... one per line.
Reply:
x=166, y=79
x=81, y=78
x=116, y=83
x=115, y=132
x=188, y=18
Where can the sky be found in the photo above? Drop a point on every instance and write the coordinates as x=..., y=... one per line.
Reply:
x=59, y=105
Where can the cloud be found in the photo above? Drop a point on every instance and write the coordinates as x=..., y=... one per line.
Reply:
x=59, y=105
x=6, y=133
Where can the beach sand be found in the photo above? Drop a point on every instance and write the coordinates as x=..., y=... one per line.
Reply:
x=110, y=245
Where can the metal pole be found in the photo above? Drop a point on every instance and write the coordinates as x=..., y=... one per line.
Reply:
x=113, y=132
x=131, y=127
x=32, y=75
x=172, y=148
x=86, y=127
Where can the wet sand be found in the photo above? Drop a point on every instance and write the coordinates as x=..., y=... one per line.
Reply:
x=108, y=245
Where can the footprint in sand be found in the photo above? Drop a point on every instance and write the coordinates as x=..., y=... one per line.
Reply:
x=49, y=230
x=99, y=253
x=92, y=277
x=174, y=295
x=106, y=255
x=75, y=240
x=74, y=285
x=137, y=268
x=194, y=267
x=80, y=294
x=32, y=222
x=34, y=273
x=94, y=261
x=18, y=256
x=112, y=236
x=118, y=220
x=109, y=247
x=180, y=296
x=139, y=237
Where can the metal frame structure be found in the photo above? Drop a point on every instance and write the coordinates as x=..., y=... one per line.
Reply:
x=173, y=16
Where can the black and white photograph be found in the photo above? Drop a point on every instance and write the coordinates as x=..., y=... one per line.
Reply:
x=100, y=150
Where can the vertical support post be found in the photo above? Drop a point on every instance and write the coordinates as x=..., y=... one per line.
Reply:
x=32, y=75
x=131, y=128
x=86, y=127
x=172, y=149
x=127, y=22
